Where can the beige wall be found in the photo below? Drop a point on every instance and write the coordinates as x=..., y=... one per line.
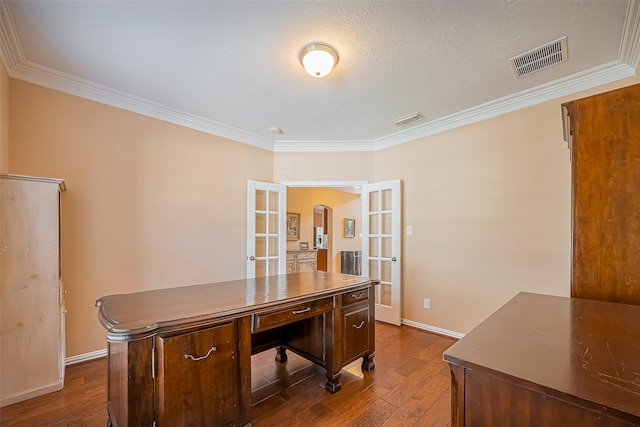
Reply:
x=489, y=204
x=4, y=120
x=490, y=208
x=149, y=204
x=341, y=166
x=343, y=204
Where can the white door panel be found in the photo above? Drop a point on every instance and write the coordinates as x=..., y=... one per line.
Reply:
x=381, y=245
x=266, y=222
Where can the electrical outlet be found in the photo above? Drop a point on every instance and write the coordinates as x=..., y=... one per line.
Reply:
x=427, y=303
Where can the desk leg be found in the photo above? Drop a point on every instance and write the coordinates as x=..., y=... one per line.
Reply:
x=333, y=342
x=333, y=382
x=244, y=370
x=457, y=395
x=367, y=362
x=281, y=354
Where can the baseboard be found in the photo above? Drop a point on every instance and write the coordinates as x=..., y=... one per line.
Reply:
x=72, y=360
x=6, y=401
x=433, y=329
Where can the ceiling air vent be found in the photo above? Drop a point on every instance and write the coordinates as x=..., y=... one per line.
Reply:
x=408, y=119
x=542, y=57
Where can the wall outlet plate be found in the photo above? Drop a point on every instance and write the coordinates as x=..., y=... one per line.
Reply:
x=427, y=303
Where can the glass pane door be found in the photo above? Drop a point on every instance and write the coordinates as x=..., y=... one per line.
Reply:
x=266, y=241
x=381, y=246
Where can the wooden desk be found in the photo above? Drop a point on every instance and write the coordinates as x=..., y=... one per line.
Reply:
x=182, y=356
x=549, y=361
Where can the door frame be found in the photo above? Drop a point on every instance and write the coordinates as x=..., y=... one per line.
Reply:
x=328, y=184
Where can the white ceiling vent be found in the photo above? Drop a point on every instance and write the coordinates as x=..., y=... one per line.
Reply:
x=408, y=119
x=539, y=58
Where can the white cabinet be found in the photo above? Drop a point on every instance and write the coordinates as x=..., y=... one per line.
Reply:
x=301, y=261
x=31, y=296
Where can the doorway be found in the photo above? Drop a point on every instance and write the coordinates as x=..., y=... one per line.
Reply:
x=322, y=214
x=323, y=236
x=378, y=235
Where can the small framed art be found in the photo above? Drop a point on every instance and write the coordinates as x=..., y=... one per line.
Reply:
x=293, y=226
x=349, y=227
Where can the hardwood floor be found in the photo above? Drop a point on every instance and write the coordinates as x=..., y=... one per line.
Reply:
x=409, y=387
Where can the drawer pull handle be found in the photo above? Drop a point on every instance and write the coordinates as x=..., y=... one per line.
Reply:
x=306, y=310
x=357, y=296
x=359, y=326
x=211, y=350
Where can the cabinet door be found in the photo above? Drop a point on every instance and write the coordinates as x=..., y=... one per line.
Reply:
x=306, y=261
x=291, y=264
x=197, y=378
x=357, y=325
x=606, y=201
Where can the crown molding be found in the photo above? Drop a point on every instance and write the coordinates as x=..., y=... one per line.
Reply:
x=63, y=82
x=588, y=79
x=630, y=44
x=9, y=46
x=566, y=86
x=20, y=68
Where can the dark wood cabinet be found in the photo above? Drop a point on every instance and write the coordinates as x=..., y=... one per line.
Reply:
x=603, y=132
x=196, y=379
x=182, y=356
x=551, y=361
x=359, y=327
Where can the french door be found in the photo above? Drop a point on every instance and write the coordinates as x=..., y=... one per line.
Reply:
x=381, y=243
x=266, y=232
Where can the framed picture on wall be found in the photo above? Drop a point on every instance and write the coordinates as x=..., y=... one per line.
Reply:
x=349, y=227
x=293, y=226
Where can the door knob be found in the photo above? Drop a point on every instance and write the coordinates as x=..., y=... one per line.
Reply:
x=394, y=259
x=252, y=258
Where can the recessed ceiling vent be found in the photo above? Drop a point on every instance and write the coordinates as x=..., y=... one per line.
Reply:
x=542, y=57
x=402, y=121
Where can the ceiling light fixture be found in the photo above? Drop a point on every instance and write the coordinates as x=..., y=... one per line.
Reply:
x=318, y=59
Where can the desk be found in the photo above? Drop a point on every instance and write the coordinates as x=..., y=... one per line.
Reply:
x=182, y=356
x=549, y=361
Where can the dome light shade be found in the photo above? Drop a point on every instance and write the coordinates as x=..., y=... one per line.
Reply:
x=318, y=59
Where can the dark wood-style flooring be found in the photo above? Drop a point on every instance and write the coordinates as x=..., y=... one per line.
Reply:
x=409, y=387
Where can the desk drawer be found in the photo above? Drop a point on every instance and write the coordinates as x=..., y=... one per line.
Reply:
x=293, y=313
x=354, y=297
x=357, y=343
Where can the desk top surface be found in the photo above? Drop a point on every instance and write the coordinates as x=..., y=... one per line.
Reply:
x=125, y=315
x=577, y=347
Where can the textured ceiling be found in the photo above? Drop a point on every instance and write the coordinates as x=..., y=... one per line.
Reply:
x=231, y=68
